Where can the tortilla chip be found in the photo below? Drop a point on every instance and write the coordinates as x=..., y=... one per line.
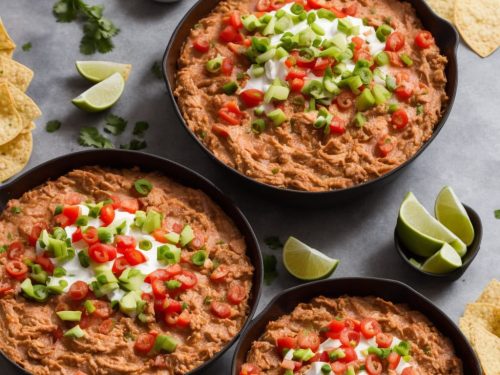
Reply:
x=17, y=74
x=15, y=155
x=5, y=40
x=444, y=8
x=11, y=122
x=28, y=128
x=491, y=294
x=478, y=24
x=487, y=347
x=7, y=52
x=26, y=107
x=486, y=314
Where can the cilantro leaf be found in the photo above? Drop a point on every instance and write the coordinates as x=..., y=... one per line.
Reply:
x=66, y=10
x=26, y=46
x=90, y=137
x=497, y=214
x=273, y=242
x=140, y=128
x=114, y=124
x=134, y=144
x=52, y=126
x=156, y=70
x=270, y=272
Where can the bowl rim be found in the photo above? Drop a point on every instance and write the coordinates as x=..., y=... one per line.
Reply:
x=452, y=81
x=354, y=279
x=473, y=248
x=208, y=187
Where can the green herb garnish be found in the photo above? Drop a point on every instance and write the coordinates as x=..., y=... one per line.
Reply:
x=91, y=137
x=134, y=144
x=114, y=124
x=143, y=186
x=16, y=210
x=270, y=272
x=140, y=128
x=273, y=242
x=156, y=70
x=26, y=47
x=52, y=126
x=497, y=214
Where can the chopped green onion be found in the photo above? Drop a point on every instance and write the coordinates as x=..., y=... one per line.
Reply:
x=326, y=368
x=105, y=234
x=382, y=58
x=365, y=74
x=393, y=108
x=250, y=22
x=276, y=92
x=359, y=120
x=344, y=26
x=277, y=117
x=306, y=37
x=283, y=24
x=260, y=44
x=312, y=105
x=320, y=122
x=269, y=29
x=281, y=52
x=381, y=94
x=332, y=51
x=403, y=348
x=59, y=272
x=145, y=244
x=165, y=343
x=143, y=186
x=296, y=9
x=258, y=126
x=214, y=65
x=230, y=88
x=303, y=354
x=37, y=292
x=350, y=370
x=311, y=17
x=82, y=221
x=406, y=59
x=325, y=13
x=89, y=306
x=59, y=233
x=173, y=284
x=266, y=56
x=390, y=83
x=317, y=29
x=199, y=258
x=168, y=253
x=58, y=209
x=259, y=111
x=420, y=109
x=280, y=13
x=70, y=316
x=365, y=100
x=76, y=332
x=383, y=31
x=152, y=222
x=186, y=235
x=313, y=88
x=83, y=258
x=353, y=83
x=339, y=68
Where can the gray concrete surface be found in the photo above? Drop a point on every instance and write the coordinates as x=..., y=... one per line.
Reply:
x=465, y=155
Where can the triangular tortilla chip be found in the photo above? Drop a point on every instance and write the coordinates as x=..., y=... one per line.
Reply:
x=25, y=106
x=444, y=8
x=487, y=347
x=16, y=73
x=5, y=40
x=7, y=52
x=15, y=155
x=11, y=123
x=491, y=294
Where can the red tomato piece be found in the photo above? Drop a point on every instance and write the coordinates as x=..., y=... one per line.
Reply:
x=102, y=253
x=338, y=368
x=44, y=261
x=408, y=371
x=352, y=324
x=286, y=342
x=362, y=54
x=159, y=274
x=404, y=92
x=303, y=62
x=106, y=326
x=399, y=119
x=349, y=337
x=78, y=290
x=394, y=59
x=219, y=274
x=230, y=113
x=227, y=66
x=373, y=365
x=15, y=250
x=369, y=327
x=358, y=42
x=144, y=343
x=107, y=214
x=187, y=278
x=172, y=306
x=236, y=293
x=90, y=236
x=384, y=340
x=77, y=235
x=119, y=265
x=320, y=65
x=395, y=42
x=72, y=198
x=130, y=205
x=336, y=325
x=124, y=243
x=17, y=269
x=345, y=100
x=201, y=45
x=252, y=97
x=72, y=213
x=102, y=309
x=350, y=10
x=424, y=39
x=57, y=334
x=220, y=131
x=307, y=339
x=184, y=319
x=295, y=73
x=264, y=5
x=385, y=144
x=248, y=368
x=235, y=20
x=393, y=360
x=296, y=85
x=159, y=288
x=228, y=34
x=61, y=220
x=135, y=257
x=5, y=287
x=317, y=4
x=337, y=126
x=220, y=309
x=35, y=233
x=350, y=354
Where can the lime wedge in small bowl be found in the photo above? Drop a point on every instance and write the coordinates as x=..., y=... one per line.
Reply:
x=102, y=95
x=97, y=71
x=444, y=261
x=452, y=214
x=421, y=233
x=306, y=263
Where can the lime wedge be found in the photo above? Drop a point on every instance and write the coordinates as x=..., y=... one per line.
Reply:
x=421, y=233
x=445, y=260
x=96, y=71
x=306, y=263
x=452, y=214
x=415, y=263
x=102, y=95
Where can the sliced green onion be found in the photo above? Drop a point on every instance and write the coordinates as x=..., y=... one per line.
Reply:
x=320, y=122
x=76, y=332
x=82, y=221
x=406, y=59
x=280, y=13
x=296, y=9
x=330, y=86
x=383, y=31
x=266, y=56
x=336, y=354
x=70, y=316
x=332, y=51
x=277, y=117
x=168, y=253
x=403, y=348
x=145, y=244
x=143, y=186
x=365, y=74
x=214, y=65
x=353, y=82
x=260, y=44
x=325, y=13
x=311, y=17
x=281, y=52
x=350, y=370
x=59, y=233
x=283, y=24
x=344, y=26
x=326, y=368
x=381, y=94
x=89, y=306
x=199, y=258
x=186, y=235
x=303, y=354
x=152, y=222
x=165, y=343
x=173, y=284
x=393, y=107
x=359, y=120
x=59, y=272
x=306, y=37
x=250, y=22
x=259, y=111
x=317, y=29
x=257, y=71
x=230, y=88
x=382, y=58
x=313, y=88
x=365, y=100
x=390, y=83
x=84, y=259
x=105, y=234
x=339, y=68
x=276, y=92
x=58, y=209
x=258, y=126
x=420, y=109
x=269, y=29
x=312, y=105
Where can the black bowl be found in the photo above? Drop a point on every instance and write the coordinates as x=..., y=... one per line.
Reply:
x=129, y=159
x=390, y=290
x=446, y=38
x=472, y=250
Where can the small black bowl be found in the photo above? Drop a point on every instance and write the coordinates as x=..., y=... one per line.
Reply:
x=446, y=38
x=390, y=290
x=128, y=159
x=472, y=250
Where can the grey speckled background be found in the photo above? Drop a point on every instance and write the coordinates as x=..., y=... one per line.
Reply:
x=465, y=155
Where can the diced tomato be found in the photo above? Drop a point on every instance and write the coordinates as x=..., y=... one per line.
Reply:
x=172, y=306
x=131, y=205
x=35, y=232
x=5, y=287
x=72, y=213
x=345, y=100
x=44, y=261
x=296, y=85
x=352, y=324
x=408, y=371
x=184, y=319
x=395, y=42
x=220, y=309
x=201, y=45
x=135, y=257
x=219, y=274
x=337, y=126
x=248, y=368
x=350, y=354
x=228, y=34
x=124, y=243
x=384, y=340
x=102, y=253
x=61, y=220
x=235, y=20
x=350, y=10
x=17, y=269
x=295, y=73
x=336, y=325
x=321, y=64
x=290, y=61
x=307, y=339
x=424, y=39
x=90, y=235
x=286, y=342
x=77, y=235
x=349, y=336
x=78, y=290
x=338, y=368
x=404, y=92
x=159, y=274
x=252, y=97
x=119, y=265
x=107, y=214
x=230, y=113
x=358, y=42
x=264, y=5
x=393, y=360
x=57, y=334
x=362, y=54
x=236, y=293
x=399, y=119
x=303, y=62
x=369, y=327
x=187, y=278
x=106, y=326
x=15, y=250
x=159, y=288
x=144, y=343
x=227, y=66
x=385, y=144
x=173, y=269
x=317, y=4
x=373, y=365
x=394, y=59
x=220, y=131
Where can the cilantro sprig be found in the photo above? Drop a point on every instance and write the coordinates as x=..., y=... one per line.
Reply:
x=114, y=124
x=91, y=137
x=98, y=30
